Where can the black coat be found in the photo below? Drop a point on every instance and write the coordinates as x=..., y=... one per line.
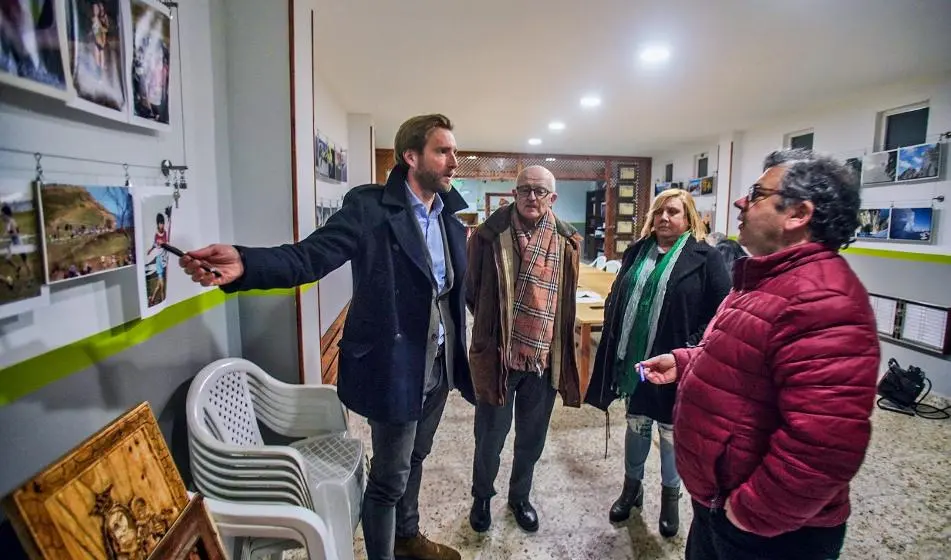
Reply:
x=383, y=347
x=697, y=285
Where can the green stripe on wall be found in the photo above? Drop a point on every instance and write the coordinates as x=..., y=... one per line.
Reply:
x=890, y=254
x=31, y=374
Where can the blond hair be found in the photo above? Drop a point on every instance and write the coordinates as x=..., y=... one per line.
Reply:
x=694, y=223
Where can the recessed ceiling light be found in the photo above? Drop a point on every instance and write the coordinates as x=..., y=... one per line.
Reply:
x=534, y=141
x=549, y=159
x=655, y=54
x=590, y=101
x=556, y=125
x=472, y=157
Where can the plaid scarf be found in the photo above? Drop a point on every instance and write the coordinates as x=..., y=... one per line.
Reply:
x=536, y=294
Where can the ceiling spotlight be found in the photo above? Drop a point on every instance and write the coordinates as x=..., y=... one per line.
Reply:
x=549, y=159
x=655, y=54
x=590, y=101
x=534, y=141
x=555, y=125
x=472, y=157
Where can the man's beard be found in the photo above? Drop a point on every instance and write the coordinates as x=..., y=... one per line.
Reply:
x=429, y=180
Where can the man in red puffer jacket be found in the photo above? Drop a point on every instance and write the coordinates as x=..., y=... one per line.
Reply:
x=772, y=418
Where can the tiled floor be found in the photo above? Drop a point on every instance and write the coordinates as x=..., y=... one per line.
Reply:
x=901, y=502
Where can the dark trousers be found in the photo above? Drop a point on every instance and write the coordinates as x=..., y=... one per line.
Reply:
x=391, y=500
x=713, y=537
x=532, y=398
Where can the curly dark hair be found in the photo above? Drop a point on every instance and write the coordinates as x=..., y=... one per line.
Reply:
x=831, y=186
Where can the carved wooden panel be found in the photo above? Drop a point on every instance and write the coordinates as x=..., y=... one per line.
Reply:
x=112, y=497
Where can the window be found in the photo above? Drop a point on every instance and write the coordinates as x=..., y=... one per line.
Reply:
x=803, y=141
x=702, y=165
x=668, y=172
x=905, y=126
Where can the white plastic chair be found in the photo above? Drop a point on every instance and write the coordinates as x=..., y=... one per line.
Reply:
x=612, y=266
x=269, y=529
x=322, y=471
x=599, y=262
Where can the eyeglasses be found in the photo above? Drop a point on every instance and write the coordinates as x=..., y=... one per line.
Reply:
x=525, y=192
x=758, y=193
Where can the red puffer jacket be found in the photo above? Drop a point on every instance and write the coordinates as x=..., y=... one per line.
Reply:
x=773, y=407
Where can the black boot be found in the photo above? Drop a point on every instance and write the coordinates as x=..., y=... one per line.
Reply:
x=632, y=495
x=480, y=516
x=669, y=511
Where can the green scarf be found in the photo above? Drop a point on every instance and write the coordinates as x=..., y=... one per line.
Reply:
x=646, y=283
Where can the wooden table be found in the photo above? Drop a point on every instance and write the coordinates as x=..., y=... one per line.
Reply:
x=589, y=317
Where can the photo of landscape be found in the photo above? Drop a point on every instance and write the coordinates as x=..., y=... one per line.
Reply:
x=87, y=230
x=21, y=263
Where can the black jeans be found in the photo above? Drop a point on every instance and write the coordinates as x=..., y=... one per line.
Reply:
x=532, y=397
x=713, y=537
x=391, y=500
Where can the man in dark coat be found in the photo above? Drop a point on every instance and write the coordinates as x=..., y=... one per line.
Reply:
x=404, y=341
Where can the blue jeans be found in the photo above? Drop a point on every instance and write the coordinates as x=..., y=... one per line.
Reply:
x=637, y=446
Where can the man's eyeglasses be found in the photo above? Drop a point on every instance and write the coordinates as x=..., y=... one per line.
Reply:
x=525, y=192
x=758, y=193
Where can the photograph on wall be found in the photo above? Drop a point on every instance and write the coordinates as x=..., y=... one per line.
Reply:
x=911, y=224
x=879, y=167
x=706, y=185
x=323, y=163
x=661, y=187
x=342, y=166
x=96, y=46
x=693, y=187
x=919, y=162
x=154, y=212
x=32, y=47
x=21, y=257
x=873, y=223
x=151, y=53
x=86, y=230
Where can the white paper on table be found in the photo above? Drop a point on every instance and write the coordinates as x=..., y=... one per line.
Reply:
x=587, y=296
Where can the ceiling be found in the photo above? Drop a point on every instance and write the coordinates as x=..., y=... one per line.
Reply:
x=503, y=70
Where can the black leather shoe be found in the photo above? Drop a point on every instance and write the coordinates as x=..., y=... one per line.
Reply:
x=525, y=515
x=480, y=516
x=632, y=496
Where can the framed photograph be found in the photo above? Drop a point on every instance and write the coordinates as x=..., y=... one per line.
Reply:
x=706, y=185
x=625, y=228
x=324, y=158
x=879, y=167
x=916, y=163
x=86, y=230
x=661, y=187
x=153, y=216
x=625, y=209
x=621, y=245
x=33, y=53
x=96, y=34
x=151, y=47
x=21, y=254
x=627, y=173
x=625, y=191
x=693, y=186
x=113, y=496
x=192, y=537
x=873, y=223
x=911, y=224
x=342, y=166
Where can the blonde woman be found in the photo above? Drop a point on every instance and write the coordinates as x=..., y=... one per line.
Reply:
x=669, y=287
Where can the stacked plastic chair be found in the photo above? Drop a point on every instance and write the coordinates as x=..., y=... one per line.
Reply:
x=320, y=469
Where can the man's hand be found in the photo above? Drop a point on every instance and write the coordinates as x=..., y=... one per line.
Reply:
x=729, y=516
x=223, y=258
x=661, y=370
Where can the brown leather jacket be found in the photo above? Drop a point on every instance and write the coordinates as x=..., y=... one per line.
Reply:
x=487, y=252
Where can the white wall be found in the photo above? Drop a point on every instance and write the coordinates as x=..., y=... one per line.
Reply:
x=35, y=124
x=685, y=168
x=330, y=118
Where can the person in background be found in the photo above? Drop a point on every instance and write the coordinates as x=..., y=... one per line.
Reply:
x=404, y=342
x=772, y=417
x=669, y=287
x=523, y=261
x=729, y=249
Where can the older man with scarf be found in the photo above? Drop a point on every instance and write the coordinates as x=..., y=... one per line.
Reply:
x=520, y=286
